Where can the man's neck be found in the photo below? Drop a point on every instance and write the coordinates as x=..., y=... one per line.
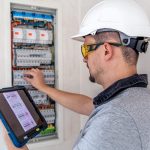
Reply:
x=112, y=78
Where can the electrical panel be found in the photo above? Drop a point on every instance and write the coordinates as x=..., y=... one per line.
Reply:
x=33, y=46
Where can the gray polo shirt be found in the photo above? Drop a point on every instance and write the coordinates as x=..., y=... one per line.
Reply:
x=121, y=124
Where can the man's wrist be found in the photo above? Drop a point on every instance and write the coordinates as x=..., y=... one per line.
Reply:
x=44, y=88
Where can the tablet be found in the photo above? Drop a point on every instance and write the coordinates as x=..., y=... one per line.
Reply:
x=20, y=115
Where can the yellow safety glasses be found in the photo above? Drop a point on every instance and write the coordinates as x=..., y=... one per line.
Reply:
x=86, y=49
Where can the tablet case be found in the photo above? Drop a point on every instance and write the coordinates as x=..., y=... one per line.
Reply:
x=11, y=134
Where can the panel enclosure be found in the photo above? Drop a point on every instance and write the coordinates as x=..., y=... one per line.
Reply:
x=33, y=46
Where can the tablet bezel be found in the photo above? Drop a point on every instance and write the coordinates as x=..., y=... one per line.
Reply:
x=20, y=141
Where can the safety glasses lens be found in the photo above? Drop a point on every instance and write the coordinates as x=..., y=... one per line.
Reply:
x=84, y=50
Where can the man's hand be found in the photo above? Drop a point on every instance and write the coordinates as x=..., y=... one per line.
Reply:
x=7, y=141
x=35, y=78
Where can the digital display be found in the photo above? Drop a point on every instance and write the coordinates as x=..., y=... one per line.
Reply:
x=20, y=114
x=20, y=110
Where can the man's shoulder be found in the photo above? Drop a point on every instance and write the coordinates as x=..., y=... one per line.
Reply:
x=134, y=91
x=111, y=109
x=128, y=104
x=125, y=103
x=108, y=126
x=135, y=97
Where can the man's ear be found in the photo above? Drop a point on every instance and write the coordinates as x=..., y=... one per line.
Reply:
x=108, y=53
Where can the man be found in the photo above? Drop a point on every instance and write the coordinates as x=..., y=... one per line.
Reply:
x=120, y=115
x=114, y=32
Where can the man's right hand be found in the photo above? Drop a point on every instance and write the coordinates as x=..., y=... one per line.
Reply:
x=35, y=78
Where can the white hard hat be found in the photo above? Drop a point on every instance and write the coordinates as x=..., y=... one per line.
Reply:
x=125, y=16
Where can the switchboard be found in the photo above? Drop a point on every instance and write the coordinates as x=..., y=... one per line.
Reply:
x=33, y=46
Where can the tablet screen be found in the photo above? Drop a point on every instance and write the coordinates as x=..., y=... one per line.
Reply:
x=19, y=112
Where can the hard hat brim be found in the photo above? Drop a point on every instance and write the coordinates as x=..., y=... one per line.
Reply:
x=78, y=37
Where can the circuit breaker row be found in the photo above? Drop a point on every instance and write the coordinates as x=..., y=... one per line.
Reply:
x=31, y=16
x=21, y=35
x=18, y=78
x=27, y=57
x=39, y=97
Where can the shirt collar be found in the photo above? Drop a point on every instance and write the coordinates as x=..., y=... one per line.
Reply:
x=132, y=81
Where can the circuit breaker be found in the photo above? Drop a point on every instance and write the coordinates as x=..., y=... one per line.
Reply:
x=33, y=46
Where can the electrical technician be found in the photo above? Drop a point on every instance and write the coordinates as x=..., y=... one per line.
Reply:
x=114, y=32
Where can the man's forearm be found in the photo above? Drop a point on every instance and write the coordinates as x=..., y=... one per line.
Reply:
x=76, y=102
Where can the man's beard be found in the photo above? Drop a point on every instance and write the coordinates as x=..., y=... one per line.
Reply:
x=91, y=78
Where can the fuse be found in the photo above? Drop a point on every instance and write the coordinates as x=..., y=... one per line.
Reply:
x=39, y=97
x=17, y=35
x=30, y=36
x=17, y=14
x=18, y=78
x=48, y=18
x=49, y=115
x=50, y=35
x=45, y=37
x=29, y=15
x=49, y=76
x=39, y=17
